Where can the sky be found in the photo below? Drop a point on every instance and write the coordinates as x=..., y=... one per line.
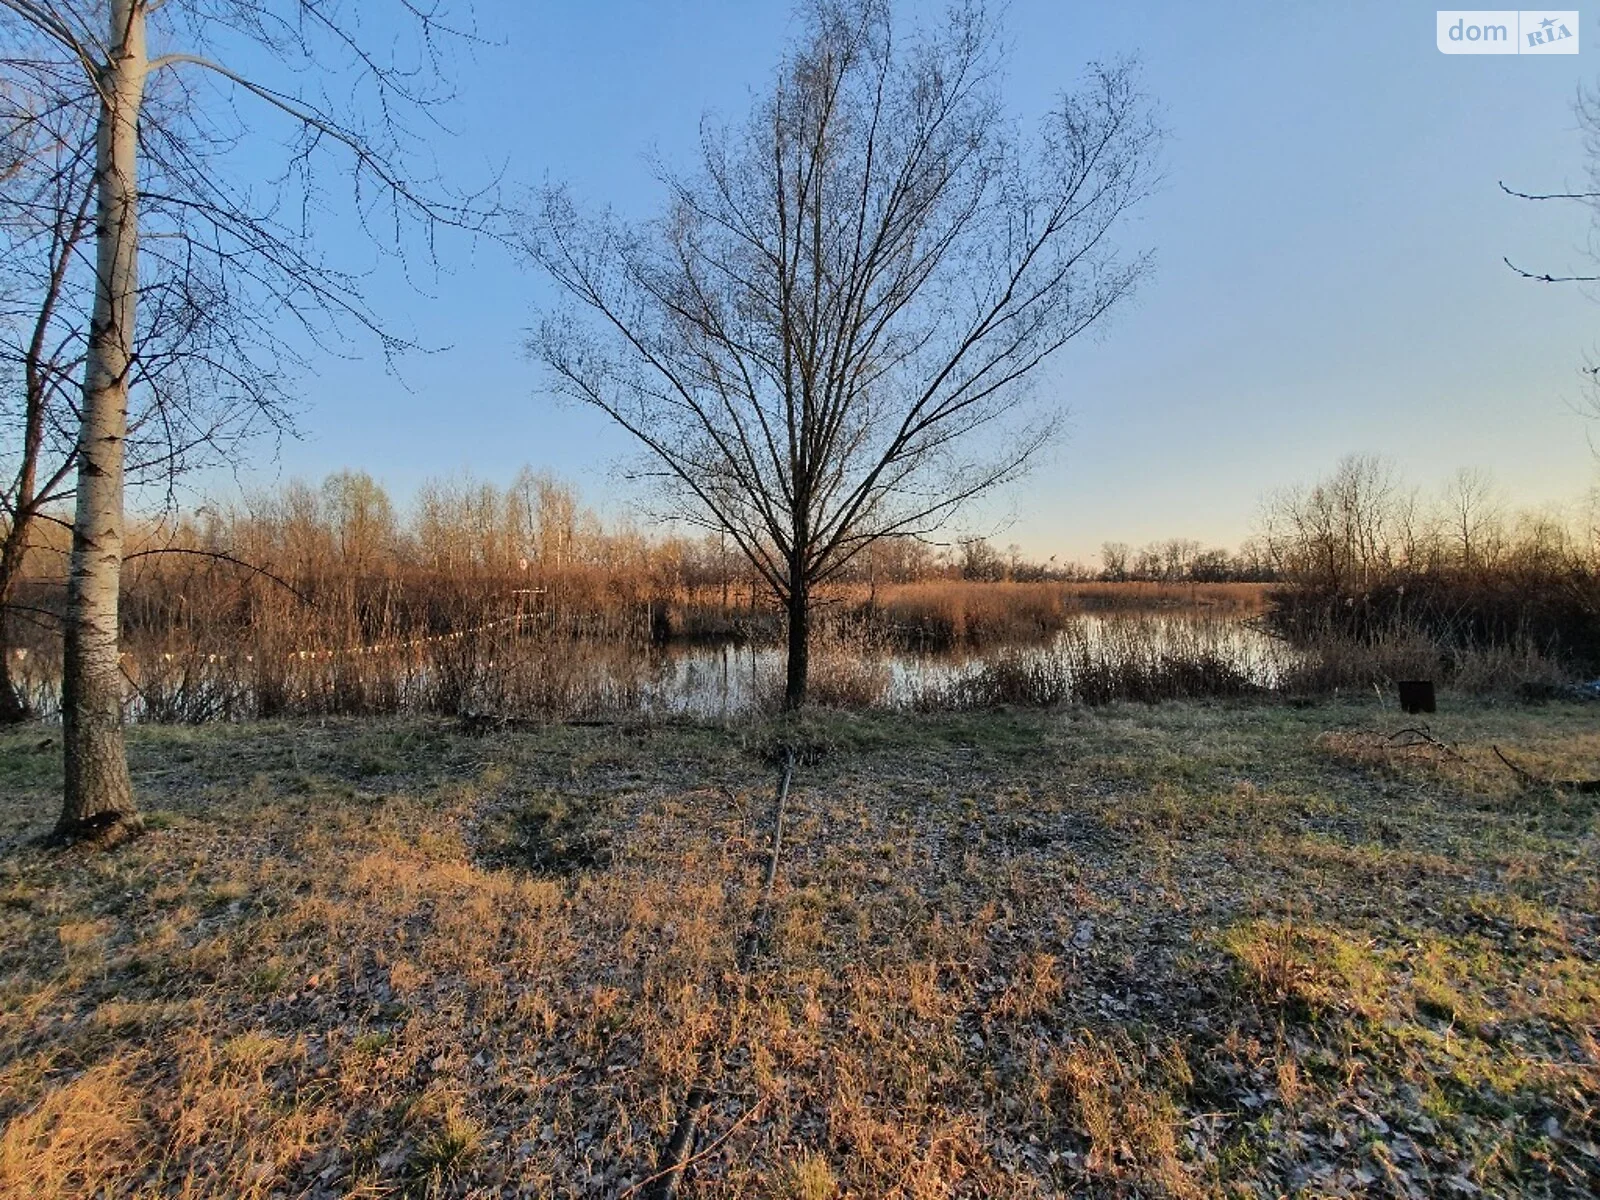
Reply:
x=1328, y=242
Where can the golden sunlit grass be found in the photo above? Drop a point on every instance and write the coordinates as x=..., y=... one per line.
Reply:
x=1125, y=1107
x=1193, y=950
x=79, y=1139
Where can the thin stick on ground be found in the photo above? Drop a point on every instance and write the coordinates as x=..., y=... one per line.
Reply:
x=676, y=1169
x=1588, y=786
x=676, y=1156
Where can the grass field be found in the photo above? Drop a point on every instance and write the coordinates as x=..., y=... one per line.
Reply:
x=1186, y=950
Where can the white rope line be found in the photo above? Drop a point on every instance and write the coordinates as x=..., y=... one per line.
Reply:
x=327, y=655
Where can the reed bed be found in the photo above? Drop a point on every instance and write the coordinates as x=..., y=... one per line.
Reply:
x=1332, y=662
x=539, y=666
x=948, y=614
x=207, y=642
x=486, y=670
x=945, y=614
x=850, y=669
x=1152, y=658
x=1240, y=598
x=1145, y=659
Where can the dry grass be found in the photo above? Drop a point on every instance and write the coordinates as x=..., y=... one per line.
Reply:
x=80, y=1139
x=1329, y=662
x=1183, y=951
x=1138, y=594
x=1147, y=657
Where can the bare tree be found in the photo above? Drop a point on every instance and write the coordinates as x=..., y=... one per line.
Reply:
x=1342, y=531
x=981, y=561
x=1416, y=528
x=164, y=126
x=1114, y=558
x=362, y=517
x=44, y=219
x=1471, y=515
x=828, y=338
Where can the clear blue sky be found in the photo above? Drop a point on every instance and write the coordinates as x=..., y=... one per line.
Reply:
x=1329, y=244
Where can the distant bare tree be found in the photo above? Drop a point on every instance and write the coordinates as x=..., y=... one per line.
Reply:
x=1340, y=532
x=1212, y=566
x=828, y=337
x=1416, y=528
x=981, y=561
x=1177, y=557
x=1471, y=516
x=1115, y=560
x=166, y=125
x=362, y=518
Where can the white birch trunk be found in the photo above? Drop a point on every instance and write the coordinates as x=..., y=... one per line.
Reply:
x=98, y=799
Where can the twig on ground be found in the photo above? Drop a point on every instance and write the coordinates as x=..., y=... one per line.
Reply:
x=1421, y=735
x=698, y=1155
x=1590, y=786
x=676, y=1154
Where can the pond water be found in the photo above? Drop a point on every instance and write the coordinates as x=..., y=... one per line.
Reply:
x=722, y=680
x=1140, y=654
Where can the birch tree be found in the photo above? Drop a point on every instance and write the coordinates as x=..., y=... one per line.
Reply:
x=194, y=398
x=238, y=236
x=830, y=335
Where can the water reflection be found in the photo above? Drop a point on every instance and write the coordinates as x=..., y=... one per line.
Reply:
x=565, y=678
x=723, y=680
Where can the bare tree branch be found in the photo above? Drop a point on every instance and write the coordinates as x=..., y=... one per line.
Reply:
x=1546, y=277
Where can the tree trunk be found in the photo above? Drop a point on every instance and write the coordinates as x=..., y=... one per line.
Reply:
x=13, y=705
x=98, y=800
x=799, y=660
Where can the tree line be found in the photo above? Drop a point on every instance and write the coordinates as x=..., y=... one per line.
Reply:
x=348, y=534
x=1373, y=559
x=1362, y=524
